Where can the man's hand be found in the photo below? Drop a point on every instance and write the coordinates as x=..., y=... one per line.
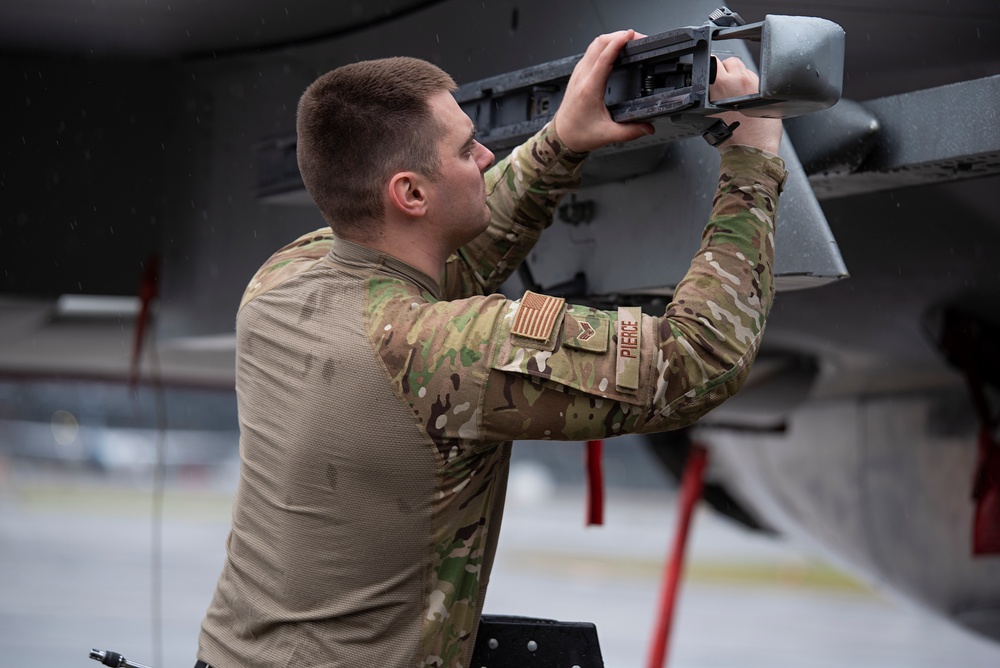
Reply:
x=733, y=79
x=582, y=121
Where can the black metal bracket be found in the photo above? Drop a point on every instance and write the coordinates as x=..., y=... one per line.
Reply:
x=575, y=212
x=525, y=642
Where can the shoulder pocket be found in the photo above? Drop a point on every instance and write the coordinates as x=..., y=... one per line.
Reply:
x=582, y=357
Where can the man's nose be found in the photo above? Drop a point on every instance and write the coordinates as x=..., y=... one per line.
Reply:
x=485, y=159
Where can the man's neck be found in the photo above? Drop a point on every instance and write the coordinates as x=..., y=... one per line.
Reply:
x=411, y=247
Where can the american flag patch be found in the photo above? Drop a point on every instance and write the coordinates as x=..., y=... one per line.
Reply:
x=536, y=316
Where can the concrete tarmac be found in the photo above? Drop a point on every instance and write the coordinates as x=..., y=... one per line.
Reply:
x=76, y=561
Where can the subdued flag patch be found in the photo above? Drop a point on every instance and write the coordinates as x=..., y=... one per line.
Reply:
x=537, y=315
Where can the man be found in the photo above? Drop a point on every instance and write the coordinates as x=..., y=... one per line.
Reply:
x=380, y=381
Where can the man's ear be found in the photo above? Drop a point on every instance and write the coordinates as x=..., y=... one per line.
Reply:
x=408, y=193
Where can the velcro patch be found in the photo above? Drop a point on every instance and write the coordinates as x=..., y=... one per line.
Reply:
x=537, y=316
x=586, y=332
x=629, y=345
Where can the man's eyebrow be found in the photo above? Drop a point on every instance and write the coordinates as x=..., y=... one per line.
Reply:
x=472, y=137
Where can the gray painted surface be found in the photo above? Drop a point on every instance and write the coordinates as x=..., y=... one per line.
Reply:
x=884, y=487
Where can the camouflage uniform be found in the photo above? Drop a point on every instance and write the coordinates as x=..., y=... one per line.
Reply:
x=377, y=406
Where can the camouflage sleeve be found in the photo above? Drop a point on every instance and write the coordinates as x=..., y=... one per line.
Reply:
x=571, y=373
x=522, y=191
x=294, y=258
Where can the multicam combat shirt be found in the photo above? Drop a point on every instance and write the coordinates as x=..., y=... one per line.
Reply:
x=377, y=406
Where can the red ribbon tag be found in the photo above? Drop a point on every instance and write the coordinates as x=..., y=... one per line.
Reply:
x=595, y=484
x=986, y=494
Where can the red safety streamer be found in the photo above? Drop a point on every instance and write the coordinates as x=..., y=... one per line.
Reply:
x=595, y=483
x=986, y=494
x=970, y=344
x=692, y=483
x=147, y=295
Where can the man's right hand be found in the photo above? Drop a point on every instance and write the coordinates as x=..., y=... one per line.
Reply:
x=583, y=122
x=733, y=79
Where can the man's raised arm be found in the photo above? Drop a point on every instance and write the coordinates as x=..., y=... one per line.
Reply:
x=607, y=373
x=524, y=188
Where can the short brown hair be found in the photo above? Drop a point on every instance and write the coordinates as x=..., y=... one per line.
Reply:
x=359, y=124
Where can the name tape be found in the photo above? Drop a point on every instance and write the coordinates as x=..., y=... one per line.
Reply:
x=629, y=347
